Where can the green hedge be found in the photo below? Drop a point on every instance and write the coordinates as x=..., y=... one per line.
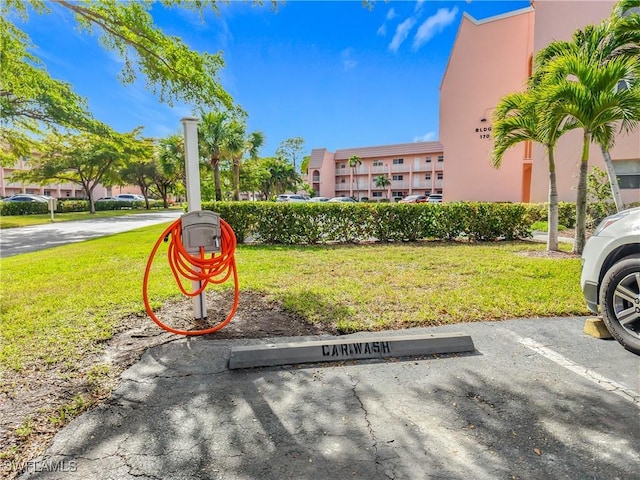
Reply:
x=308, y=223
x=74, y=205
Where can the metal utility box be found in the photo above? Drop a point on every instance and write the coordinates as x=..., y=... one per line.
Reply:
x=201, y=229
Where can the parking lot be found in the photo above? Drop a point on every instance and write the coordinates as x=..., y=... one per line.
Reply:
x=538, y=399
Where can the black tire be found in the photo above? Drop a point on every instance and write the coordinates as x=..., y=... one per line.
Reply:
x=620, y=302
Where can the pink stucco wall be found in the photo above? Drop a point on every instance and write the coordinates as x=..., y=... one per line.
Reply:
x=557, y=20
x=489, y=60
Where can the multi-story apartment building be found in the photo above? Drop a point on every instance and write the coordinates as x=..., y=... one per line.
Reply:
x=410, y=168
x=472, y=86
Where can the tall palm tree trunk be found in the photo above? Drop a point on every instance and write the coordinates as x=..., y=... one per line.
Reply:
x=552, y=214
x=215, y=164
x=581, y=198
x=236, y=179
x=613, y=179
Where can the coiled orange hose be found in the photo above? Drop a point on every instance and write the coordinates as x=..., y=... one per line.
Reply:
x=205, y=269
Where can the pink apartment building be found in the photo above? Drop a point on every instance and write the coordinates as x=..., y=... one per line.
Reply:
x=471, y=87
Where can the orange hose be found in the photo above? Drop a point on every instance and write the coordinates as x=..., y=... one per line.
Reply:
x=212, y=269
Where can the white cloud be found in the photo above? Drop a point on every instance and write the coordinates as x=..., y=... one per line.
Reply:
x=391, y=14
x=348, y=62
x=402, y=32
x=427, y=137
x=434, y=25
x=382, y=30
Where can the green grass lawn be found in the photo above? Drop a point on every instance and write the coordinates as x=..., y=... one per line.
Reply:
x=60, y=303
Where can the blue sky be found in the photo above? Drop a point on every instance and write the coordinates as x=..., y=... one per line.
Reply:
x=334, y=73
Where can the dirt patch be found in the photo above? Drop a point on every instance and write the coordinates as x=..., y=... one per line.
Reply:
x=37, y=402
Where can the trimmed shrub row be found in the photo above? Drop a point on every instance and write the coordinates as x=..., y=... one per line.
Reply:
x=64, y=206
x=309, y=223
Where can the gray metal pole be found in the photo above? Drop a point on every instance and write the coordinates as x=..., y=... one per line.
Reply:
x=194, y=200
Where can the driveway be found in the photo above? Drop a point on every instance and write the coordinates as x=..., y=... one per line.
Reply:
x=538, y=399
x=14, y=241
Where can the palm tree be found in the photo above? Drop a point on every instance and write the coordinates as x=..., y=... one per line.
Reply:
x=618, y=37
x=382, y=181
x=583, y=92
x=354, y=162
x=516, y=119
x=251, y=146
x=214, y=134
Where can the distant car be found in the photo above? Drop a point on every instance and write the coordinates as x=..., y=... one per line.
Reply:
x=435, y=198
x=27, y=197
x=341, y=199
x=414, y=199
x=610, y=277
x=290, y=197
x=319, y=199
x=129, y=197
x=106, y=199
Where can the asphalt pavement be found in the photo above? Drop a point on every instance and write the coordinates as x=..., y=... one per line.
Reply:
x=14, y=241
x=536, y=399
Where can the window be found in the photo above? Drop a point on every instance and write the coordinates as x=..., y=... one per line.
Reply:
x=398, y=161
x=628, y=173
x=397, y=194
x=344, y=165
x=428, y=159
x=377, y=163
x=342, y=180
x=427, y=192
x=316, y=176
x=377, y=194
x=397, y=178
x=441, y=158
x=440, y=176
x=439, y=191
x=427, y=176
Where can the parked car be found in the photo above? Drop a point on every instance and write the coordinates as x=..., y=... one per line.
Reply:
x=106, y=199
x=27, y=197
x=129, y=197
x=610, y=276
x=319, y=199
x=414, y=199
x=290, y=197
x=341, y=199
x=435, y=198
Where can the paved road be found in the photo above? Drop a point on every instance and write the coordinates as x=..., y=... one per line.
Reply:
x=14, y=241
x=537, y=400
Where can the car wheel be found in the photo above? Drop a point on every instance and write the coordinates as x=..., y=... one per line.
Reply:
x=620, y=302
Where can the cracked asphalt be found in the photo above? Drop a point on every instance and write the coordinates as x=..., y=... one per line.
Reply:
x=538, y=399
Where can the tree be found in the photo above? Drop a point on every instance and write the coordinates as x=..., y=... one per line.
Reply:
x=85, y=159
x=170, y=175
x=31, y=101
x=290, y=150
x=239, y=144
x=382, y=181
x=139, y=171
x=518, y=118
x=215, y=132
x=354, y=162
x=583, y=90
x=282, y=177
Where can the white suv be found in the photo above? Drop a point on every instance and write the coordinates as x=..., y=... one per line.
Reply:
x=611, y=276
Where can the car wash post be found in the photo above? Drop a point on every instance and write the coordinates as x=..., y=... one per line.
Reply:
x=194, y=200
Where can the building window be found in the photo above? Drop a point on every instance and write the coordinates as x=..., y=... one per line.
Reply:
x=377, y=163
x=427, y=176
x=428, y=159
x=397, y=178
x=377, y=194
x=439, y=191
x=344, y=165
x=628, y=173
x=440, y=176
x=342, y=180
x=398, y=161
x=629, y=182
x=397, y=194
x=427, y=192
x=316, y=176
x=441, y=158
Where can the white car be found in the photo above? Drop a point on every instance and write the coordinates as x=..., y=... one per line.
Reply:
x=289, y=197
x=129, y=197
x=319, y=199
x=341, y=199
x=435, y=198
x=611, y=276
